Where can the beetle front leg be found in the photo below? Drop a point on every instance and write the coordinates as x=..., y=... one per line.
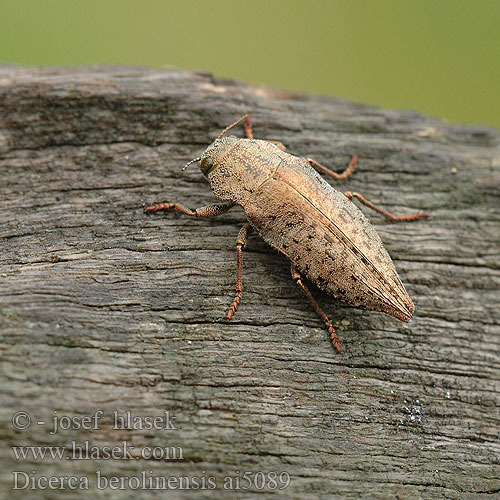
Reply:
x=206, y=211
x=298, y=279
x=325, y=170
x=240, y=244
x=385, y=213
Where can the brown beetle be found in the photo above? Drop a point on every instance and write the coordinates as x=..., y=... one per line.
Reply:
x=325, y=236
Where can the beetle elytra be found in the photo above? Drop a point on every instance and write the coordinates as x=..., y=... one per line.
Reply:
x=320, y=230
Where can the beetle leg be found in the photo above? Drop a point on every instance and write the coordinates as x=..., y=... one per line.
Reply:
x=247, y=127
x=325, y=170
x=206, y=211
x=298, y=279
x=240, y=243
x=278, y=144
x=387, y=215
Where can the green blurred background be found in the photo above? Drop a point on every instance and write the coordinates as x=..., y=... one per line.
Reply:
x=441, y=57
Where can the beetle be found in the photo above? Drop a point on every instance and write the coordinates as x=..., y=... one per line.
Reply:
x=320, y=230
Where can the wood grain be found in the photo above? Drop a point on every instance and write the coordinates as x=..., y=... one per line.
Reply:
x=103, y=307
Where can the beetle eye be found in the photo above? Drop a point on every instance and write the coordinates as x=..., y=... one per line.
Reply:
x=206, y=164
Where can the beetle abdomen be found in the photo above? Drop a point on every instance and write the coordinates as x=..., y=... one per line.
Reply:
x=328, y=239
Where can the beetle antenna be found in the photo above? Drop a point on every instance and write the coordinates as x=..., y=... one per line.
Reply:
x=231, y=126
x=189, y=162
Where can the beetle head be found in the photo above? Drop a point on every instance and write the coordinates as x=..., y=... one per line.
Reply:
x=212, y=155
x=229, y=166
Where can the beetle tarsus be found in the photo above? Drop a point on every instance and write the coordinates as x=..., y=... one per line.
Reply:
x=385, y=213
x=334, y=337
x=158, y=206
x=232, y=308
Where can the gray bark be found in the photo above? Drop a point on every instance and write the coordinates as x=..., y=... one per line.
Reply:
x=105, y=308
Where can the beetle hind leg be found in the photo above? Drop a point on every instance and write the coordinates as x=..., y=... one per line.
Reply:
x=298, y=279
x=387, y=215
x=240, y=244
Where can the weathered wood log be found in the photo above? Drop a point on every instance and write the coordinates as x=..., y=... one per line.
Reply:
x=105, y=308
